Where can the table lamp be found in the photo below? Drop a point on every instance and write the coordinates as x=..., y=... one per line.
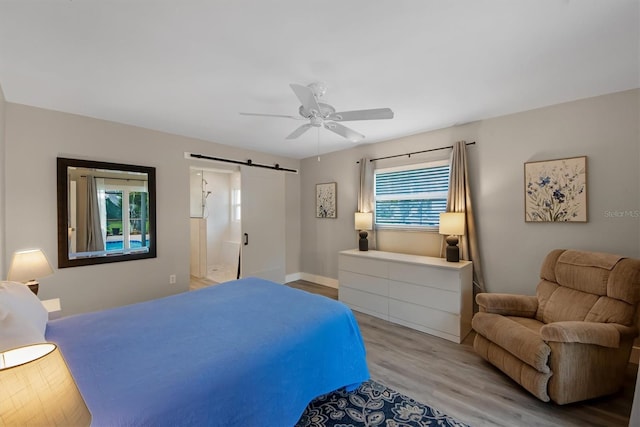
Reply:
x=38, y=389
x=452, y=225
x=364, y=221
x=27, y=266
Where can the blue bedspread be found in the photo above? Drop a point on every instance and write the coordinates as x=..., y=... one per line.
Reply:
x=243, y=353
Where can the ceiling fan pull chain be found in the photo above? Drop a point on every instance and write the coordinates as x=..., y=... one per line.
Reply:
x=318, y=144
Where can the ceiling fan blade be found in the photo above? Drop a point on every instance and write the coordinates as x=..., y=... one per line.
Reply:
x=373, y=114
x=296, y=133
x=272, y=115
x=306, y=97
x=344, y=131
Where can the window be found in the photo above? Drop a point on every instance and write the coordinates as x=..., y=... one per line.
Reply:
x=113, y=201
x=236, y=205
x=411, y=197
x=127, y=214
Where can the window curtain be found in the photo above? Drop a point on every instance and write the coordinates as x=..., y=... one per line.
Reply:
x=366, y=198
x=94, y=239
x=459, y=200
x=102, y=207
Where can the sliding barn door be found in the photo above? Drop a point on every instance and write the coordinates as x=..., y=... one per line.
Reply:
x=263, y=226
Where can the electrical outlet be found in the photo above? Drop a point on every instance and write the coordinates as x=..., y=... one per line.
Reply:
x=172, y=279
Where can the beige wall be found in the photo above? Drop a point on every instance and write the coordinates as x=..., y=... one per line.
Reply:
x=323, y=238
x=35, y=137
x=3, y=269
x=604, y=128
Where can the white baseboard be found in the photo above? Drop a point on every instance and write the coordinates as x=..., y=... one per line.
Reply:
x=292, y=277
x=321, y=280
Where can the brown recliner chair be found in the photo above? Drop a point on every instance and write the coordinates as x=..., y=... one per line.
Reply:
x=572, y=340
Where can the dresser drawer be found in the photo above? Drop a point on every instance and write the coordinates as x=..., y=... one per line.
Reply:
x=365, y=302
x=363, y=282
x=425, y=275
x=424, y=295
x=371, y=267
x=424, y=316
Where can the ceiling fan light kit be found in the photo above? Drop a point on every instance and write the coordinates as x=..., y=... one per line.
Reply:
x=321, y=114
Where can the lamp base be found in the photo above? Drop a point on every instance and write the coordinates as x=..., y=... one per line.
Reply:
x=363, y=243
x=33, y=285
x=453, y=252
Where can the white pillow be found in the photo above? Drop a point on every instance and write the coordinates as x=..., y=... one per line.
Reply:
x=23, y=318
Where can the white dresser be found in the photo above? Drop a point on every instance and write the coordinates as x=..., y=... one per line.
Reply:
x=424, y=293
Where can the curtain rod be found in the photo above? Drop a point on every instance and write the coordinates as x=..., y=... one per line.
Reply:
x=415, y=152
x=249, y=162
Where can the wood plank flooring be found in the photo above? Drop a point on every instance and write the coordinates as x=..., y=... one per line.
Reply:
x=455, y=380
x=197, y=283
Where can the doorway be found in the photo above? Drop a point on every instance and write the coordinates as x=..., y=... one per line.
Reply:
x=215, y=213
x=237, y=224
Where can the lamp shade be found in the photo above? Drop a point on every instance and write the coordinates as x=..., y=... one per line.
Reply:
x=38, y=389
x=29, y=265
x=364, y=220
x=452, y=223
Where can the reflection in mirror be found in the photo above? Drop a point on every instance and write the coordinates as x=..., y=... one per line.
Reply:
x=106, y=212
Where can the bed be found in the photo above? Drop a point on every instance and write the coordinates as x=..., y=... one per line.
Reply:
x=244, y=353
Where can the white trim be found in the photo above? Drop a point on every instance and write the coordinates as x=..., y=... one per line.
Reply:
x=291, y=277
x=193, y=168
x=320, y=280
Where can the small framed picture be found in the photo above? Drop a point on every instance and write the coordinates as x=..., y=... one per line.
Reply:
x=326, y=202
x=556, y=190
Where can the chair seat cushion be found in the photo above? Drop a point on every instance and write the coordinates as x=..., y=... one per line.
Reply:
x=518, y=336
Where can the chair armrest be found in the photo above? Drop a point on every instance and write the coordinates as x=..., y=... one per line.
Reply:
x=603, y=334
x=508, y=304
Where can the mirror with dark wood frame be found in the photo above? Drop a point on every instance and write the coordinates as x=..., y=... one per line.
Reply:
x=106, y=212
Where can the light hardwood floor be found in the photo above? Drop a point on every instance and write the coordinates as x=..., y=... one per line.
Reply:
x=455, y=380
x=197, y=283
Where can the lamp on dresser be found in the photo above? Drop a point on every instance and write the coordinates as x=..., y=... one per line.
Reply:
x=27, y=266
x=364, y=222
x=452, y=225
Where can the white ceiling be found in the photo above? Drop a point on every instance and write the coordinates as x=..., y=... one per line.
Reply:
x=188, y=67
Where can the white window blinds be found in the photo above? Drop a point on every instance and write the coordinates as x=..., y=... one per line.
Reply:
x=411, y=196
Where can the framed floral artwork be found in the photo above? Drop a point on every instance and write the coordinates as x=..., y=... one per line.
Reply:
x=556, y=190
x=326, y=204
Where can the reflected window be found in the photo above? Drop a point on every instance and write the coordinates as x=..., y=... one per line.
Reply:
x=127, y=215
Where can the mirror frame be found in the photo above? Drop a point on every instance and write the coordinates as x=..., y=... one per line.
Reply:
x=63, y=212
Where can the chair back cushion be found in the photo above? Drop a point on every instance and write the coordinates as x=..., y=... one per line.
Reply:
x=588, y=286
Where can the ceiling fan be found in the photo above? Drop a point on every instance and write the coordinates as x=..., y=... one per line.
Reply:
x=322, y=114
